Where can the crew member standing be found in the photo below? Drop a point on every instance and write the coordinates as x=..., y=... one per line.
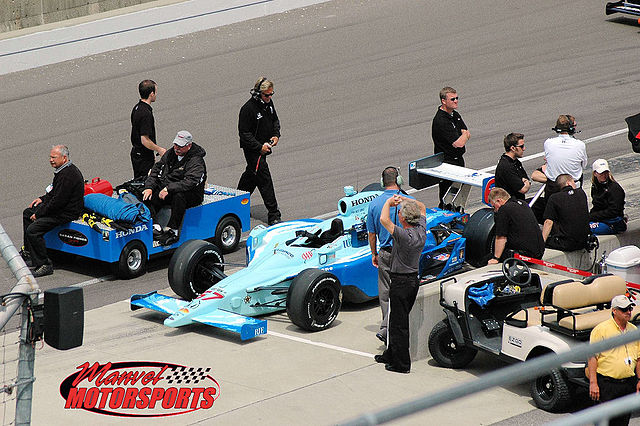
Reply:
x=449, y=134
x=615, y=372
x=143, y=131
x=259, y=130
x=408, y=242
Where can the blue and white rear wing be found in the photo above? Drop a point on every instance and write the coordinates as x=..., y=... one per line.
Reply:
x=431, y=170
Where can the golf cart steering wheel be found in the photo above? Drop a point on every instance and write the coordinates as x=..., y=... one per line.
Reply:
x=516, y=272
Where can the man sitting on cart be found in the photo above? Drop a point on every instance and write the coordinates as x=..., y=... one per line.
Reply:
x=176, y=180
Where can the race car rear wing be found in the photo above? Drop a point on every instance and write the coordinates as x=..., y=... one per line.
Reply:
x=431, y=170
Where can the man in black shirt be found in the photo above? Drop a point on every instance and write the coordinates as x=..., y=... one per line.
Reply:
x=516, y=227
x=449, y=134
x=143, y=131
x=510, y=175
x=566, y=217
x=259, y=131
x=63, y=202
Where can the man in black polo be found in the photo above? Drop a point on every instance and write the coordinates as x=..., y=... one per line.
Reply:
x=143, y=131
x=449, y=134
x=510, y=175
x=516, y=227
x=566, y=217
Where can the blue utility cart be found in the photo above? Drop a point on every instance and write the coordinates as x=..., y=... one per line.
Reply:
x=222, y=216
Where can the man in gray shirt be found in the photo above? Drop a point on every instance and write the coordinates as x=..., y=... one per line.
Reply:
x=408, y=242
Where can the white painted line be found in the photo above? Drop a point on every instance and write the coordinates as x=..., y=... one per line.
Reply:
x=93, y=281
x=322, y=345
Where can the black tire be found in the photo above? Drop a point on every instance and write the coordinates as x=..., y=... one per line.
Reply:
x=375, y=186
x=133, y=260
x=314, y=299
x=228, y=234
x=445, y=350
x=550, y=392
x=192, y=270
x=480, y=234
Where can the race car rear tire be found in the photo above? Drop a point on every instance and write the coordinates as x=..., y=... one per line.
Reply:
x=375, y=186
x=314, y=299
x=133, y=260
x=192, y=270
x=480, y=234
x=445, y=350
x=228, y=233
x=551, y=392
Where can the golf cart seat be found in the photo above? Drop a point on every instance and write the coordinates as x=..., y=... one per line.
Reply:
x=580, y=306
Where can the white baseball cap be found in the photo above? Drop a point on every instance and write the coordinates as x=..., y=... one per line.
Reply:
x=621, y=302
x=600, y=166
x=183, y=138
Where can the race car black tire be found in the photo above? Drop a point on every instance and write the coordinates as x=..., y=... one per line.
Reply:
x=189, y=268
x=228, y=233
x=550, y=392
x=445, y=350
x=314, y=299
x=133, y=260
x=375, y=186
x=479, y=233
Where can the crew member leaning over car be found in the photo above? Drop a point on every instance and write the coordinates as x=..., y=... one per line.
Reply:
x=177, y=180
x=516, y=227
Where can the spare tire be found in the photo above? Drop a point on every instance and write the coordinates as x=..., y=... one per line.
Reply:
x=480, y=234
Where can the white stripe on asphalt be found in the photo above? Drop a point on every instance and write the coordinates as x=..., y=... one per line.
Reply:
x=410, y=191
x=322, y=345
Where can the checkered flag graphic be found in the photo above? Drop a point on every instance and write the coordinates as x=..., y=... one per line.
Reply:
x=187, y=375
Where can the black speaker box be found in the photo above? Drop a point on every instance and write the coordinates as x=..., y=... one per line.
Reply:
x=64, y=317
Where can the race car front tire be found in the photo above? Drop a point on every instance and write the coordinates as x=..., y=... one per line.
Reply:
x=445, y=350
x=314, y=299
x=133, y=260
x=194, y=268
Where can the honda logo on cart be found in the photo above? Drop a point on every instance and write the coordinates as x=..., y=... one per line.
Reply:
x=139, y=389
x=138, y=228
x=515, y=341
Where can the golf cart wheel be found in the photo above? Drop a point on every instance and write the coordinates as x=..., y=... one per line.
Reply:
x=133, y=260
x=479, y=233
x=550, y=392
x=445, y=350
x=314, y=299
x=194, y=268
x=228, y=233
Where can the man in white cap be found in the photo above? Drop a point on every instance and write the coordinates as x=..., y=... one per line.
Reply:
x=177, y=180
x=615, y=372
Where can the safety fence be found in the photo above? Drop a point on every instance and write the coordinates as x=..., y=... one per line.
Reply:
x=17, y=348
x=514, y=374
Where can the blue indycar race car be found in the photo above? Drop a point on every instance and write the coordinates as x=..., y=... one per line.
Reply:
x=305, y=266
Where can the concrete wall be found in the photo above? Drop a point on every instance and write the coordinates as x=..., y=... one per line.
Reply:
x=19, y=14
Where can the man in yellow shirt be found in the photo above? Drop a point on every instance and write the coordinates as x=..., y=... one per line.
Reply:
x=615, y=372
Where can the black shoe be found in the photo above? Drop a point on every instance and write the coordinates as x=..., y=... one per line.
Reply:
x=381, y=337
x=274, y=222
x=390, y=367
x=167, y=238
x=381, y=359
x=26, y=256
x=42, y=271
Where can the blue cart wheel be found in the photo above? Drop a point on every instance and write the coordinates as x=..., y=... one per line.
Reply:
x=228, y=233
x=133, y=260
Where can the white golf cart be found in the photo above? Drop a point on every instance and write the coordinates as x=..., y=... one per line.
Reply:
x=512, y=314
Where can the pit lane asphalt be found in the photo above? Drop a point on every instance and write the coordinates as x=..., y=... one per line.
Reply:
x=356, y=87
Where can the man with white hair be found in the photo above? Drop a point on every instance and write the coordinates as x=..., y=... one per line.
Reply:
x=177, y=180
x=63, y=202
x=615, y=372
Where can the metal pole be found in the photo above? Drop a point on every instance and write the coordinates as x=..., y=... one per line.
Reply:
x=26, y=361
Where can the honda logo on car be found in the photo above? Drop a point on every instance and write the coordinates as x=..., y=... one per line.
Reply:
x=362, y=200
x=139, y=389
x=138, y=228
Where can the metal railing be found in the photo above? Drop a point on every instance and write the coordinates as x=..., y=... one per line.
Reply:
x=516, y=373
x=22, y=296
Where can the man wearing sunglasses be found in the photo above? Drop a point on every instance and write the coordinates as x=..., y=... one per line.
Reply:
x=615, y=372
x=510, y=175
x=259, y=130
x=449, y=134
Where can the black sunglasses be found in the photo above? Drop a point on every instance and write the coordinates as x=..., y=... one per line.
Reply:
x=266, y=95
x=455, y=99
x=627, y=309
x=519, y=146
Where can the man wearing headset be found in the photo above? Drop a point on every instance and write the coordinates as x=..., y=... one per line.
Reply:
x=391, y=180
x=259, y=130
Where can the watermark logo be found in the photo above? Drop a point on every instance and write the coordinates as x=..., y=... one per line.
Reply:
x=139, y=389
